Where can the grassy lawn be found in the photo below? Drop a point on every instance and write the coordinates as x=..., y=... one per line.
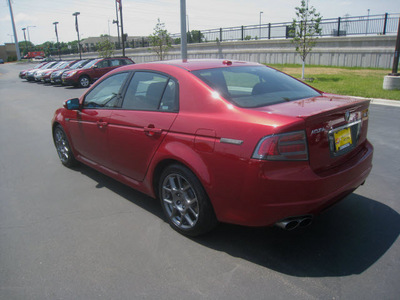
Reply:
x=362, y=82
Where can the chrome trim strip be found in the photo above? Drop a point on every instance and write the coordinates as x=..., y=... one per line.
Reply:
x=231, y=141
x=344, y=126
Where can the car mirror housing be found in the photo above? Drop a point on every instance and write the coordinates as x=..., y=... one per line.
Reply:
x=72, y=104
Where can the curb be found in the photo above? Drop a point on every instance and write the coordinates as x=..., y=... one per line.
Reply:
x=386, y=102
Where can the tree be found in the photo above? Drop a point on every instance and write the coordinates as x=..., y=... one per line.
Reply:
x=160, y=40
x=105, y=48
x=305, y=29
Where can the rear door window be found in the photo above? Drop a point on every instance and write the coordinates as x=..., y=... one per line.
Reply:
x=151, y=91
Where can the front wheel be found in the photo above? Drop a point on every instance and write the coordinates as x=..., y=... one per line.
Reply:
x=185, y=202
x=63, y=148
x=84, y=81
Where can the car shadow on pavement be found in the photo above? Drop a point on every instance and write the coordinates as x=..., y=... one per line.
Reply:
x=345, y=240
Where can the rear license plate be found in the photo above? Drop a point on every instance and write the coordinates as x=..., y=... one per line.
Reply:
x=342, y=139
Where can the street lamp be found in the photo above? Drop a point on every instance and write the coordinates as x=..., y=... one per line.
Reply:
x=261, y=12
x=26, y=44
x=27, y=29
x=366, y=29
x=58, y=43
x=76, y=14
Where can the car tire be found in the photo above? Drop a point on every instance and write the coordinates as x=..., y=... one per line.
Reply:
x=84, y=81
x=63, y=147
x=185, y=202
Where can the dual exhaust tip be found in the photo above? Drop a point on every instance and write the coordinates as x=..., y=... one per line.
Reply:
x=295, y=222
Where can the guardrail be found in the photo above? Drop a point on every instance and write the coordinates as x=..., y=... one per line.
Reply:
x=342, y=26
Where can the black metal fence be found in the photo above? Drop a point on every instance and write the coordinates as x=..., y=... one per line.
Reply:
x=342, y=26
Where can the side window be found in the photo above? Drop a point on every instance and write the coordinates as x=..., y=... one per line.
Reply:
x=102, y=64
x=115, y=62
x=151, y=91
x=105, y=94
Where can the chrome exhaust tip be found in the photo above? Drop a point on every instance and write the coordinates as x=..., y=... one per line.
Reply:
x=294, y=222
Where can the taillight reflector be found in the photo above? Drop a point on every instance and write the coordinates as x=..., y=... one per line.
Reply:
x=284, y=146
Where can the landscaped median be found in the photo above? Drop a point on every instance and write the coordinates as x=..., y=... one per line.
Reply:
x=361, y=82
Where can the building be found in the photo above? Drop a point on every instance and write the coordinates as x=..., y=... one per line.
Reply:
x=8, y=52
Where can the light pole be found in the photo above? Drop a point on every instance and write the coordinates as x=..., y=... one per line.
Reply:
x=261, y=12
x=26, y=44
x=366, y=29
x=27, y=29
x=14, y=31
x=76, y=14
x=183, y=31
x=117, y=22
x=122, y=27
x=58, y=43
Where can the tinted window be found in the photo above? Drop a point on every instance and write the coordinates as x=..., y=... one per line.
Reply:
x=115, y=62
x=103, y=64
x=255, y=86
x=151, y=91
x=105, y=94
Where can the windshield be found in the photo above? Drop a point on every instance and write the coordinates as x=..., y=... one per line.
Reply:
x=79, y=64
x=255, y=86
x=91, y=63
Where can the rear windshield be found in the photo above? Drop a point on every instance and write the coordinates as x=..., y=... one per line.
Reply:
x=255, y=86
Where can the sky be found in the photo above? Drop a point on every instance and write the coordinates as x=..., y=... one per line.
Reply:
x=140, y=16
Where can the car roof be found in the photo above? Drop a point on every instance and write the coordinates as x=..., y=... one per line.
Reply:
x=192, y=64
x=200, y=64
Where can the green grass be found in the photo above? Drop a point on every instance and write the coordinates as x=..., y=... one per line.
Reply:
x=362, y=82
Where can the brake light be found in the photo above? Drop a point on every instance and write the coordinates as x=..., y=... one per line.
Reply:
x=285, y=146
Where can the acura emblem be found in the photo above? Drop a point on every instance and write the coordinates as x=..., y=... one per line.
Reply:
x=347, y=116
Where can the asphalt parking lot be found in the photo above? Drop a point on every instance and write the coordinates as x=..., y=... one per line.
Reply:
x=77, y=234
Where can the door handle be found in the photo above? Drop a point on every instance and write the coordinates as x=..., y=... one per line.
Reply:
x=101, y=124
x=151, y=130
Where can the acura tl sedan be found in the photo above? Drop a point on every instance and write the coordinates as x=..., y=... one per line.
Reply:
x=219, y=141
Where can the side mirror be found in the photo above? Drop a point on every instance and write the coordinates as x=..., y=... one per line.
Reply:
x=72, y=104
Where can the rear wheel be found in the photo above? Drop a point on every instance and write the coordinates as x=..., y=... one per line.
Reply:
x=84, y=81
x=63, y=148
x=185, y=202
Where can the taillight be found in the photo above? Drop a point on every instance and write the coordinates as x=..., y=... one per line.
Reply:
x=284, y=146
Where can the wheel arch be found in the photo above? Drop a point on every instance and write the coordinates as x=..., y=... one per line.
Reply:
x=184, y=156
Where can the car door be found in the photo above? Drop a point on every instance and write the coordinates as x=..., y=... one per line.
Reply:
x=149, y=108
x=101, y=68
x=89, y=128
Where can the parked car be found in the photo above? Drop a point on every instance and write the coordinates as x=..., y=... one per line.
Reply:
x=1, y=61
x=45, y=75
x=93, y=71
x=39, y=73
x=219, y=140
x=23, y=72
x=30, y=75
x=55, y=77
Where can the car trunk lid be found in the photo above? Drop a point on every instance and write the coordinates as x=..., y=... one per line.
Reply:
x=336, y=127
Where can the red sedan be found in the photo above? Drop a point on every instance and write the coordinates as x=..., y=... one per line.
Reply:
x=219, y=140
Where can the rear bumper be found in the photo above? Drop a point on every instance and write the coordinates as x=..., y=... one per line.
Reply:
x=275, y=194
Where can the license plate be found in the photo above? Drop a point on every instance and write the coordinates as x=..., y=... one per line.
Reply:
x=342, y=139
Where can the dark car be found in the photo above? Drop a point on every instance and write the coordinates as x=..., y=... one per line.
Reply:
x=55, y=77
x=93, y=71
x=219, y=140
x=1, y=61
